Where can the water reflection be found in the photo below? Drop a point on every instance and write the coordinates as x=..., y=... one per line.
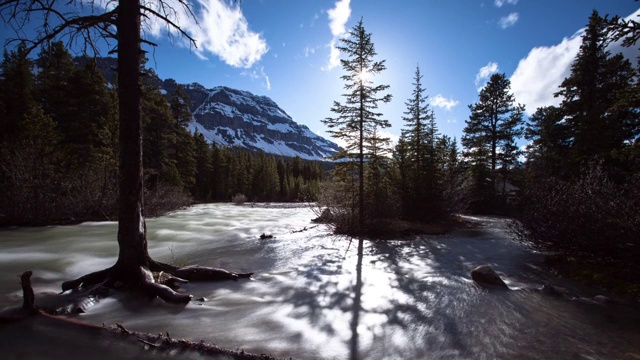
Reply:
x=315, y=296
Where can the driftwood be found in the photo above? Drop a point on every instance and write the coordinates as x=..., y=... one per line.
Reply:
x=160, y=342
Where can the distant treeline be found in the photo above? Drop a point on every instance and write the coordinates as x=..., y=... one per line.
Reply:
x=59, y=148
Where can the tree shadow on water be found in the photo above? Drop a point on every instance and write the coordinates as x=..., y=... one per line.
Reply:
x=357, y=303
x=406, y=299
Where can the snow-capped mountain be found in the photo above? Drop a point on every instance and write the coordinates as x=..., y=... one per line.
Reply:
x=238, y=118
x=230, y=117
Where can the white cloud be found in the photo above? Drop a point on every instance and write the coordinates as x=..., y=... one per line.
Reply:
x=218, y=28
x=442, y=102
x=499, y=3
x=393, y=138
x=538, y=75
x=484, y=73
x=338, y=17
x=541, y=72
x=509, y=20
x=257, y=74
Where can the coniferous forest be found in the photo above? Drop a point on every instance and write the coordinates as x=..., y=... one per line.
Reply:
x=573, y=189
x=532, y=203
x=59, y=146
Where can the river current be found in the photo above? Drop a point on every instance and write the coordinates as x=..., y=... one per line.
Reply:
x=318, y=296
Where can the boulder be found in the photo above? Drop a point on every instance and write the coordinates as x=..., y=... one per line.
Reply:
x=484, y=275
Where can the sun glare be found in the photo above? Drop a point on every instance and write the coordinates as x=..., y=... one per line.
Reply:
x=364, y=76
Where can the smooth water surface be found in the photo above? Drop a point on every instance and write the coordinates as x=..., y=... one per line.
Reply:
x=313, y=297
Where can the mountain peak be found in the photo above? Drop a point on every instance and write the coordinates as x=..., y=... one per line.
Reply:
x=231, y=117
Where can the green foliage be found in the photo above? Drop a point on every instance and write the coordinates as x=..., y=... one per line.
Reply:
x=569, y=205
x=423, y=160
x=29, y=170
x=489, y=141
x=598, y=99
x=16, y=81
x=357, y=120
x=591, y=218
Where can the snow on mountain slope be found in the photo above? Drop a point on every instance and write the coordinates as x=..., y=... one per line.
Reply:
x=232, y=117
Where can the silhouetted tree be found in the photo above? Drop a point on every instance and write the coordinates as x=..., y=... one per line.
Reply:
x=357, y=118
x=597, y=83
x=489, y=135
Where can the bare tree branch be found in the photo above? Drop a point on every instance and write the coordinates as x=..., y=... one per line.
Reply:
x=169, y=22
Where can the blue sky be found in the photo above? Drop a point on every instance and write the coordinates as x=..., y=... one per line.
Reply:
x=282, y=49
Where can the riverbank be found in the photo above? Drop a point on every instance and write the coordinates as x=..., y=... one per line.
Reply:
x=158, y=202
x=621, y=282
x=314, y=295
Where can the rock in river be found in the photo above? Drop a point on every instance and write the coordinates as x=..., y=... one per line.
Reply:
x=484, y=275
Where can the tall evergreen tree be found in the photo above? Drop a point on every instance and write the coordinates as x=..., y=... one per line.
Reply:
x=91, y=128
x=180, y=107
x=203, y=184
x=548, y=137
x=421, y=135
x=357, y=117
x=16, y=80
x=596, y=84
x=489, y=135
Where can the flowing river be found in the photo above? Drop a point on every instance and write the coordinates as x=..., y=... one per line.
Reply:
x=313, y=297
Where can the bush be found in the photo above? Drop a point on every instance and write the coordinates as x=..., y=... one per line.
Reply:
x=592, y=218
x=239, y=199
x=164, y=198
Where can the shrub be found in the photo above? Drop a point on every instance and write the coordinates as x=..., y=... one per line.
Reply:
x=164, y=198
x=592, y=218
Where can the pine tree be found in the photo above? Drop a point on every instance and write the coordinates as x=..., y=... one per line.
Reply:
x=159, y=139
x=203, y=184
x=89, y=130
x=54, y=92
x=548, y=137
x=490, y=134
x=357, y=117
x=16, y=80
x=403, y=166
x=598, y=81
x=421, y=134
x=181, y=107
x=28, y=177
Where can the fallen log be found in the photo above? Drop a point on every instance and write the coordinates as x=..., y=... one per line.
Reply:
x=160, y=342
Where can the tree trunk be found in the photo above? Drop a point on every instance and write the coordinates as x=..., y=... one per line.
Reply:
x=134, y=265
x=132, y=239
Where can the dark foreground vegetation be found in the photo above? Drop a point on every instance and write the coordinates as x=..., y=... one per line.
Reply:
x=59, y=148
x=580, y=186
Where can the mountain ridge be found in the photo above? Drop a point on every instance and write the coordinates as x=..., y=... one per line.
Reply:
x=239, y=118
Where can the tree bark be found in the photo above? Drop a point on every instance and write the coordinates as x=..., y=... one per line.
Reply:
x=133, y=268
x=132, y=230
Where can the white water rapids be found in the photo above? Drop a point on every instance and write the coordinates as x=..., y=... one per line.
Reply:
x=416, y=299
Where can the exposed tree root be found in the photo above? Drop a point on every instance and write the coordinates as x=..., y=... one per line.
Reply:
x=142, y=279
x=86, y=280
x=28, y=297
x=161, y=342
